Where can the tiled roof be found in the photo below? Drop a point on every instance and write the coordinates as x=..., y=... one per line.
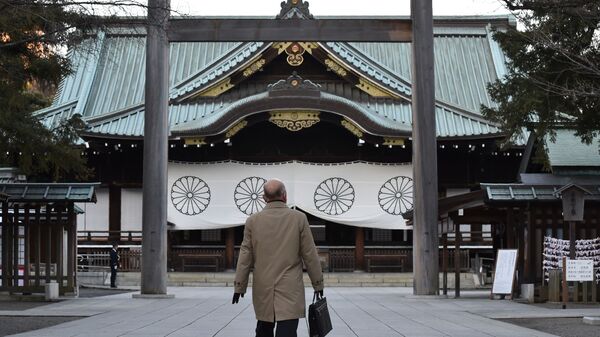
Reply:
x=392, y=114
x=526, y=192
x=569, y=150
x=81, y=192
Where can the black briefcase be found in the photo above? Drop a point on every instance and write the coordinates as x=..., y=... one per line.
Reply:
x=318, y=318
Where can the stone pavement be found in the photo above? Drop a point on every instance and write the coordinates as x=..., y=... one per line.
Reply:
x=365, y=312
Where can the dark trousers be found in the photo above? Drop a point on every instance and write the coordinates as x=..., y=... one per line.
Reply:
x=284, y=328
x=113, y=276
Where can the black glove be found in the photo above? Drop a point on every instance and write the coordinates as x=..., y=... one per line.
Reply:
x=319, y=294
x=236, y=298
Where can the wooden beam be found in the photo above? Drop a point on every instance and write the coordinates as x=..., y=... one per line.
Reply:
x=321, y=30
x=425, y=191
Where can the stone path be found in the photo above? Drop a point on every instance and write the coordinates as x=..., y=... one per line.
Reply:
x=364, y=312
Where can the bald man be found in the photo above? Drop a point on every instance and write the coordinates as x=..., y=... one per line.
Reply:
x=276, y=242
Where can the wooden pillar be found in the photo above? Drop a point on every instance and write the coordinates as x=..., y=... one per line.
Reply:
x=572, y=239
x=424, y=152
x=114, y=213
x=27, y=246
x=59, y=229
x=445, y=262
x=229, y=248
x=359, y=250
x=38, y=244
x=457, y=241
x=510, y=228
x=71, y=244
x=156, y=132
x=5, y=244
x=48, y=242
x=527, y=250
x=15, y=247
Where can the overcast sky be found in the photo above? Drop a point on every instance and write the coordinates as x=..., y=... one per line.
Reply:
x=335, y=7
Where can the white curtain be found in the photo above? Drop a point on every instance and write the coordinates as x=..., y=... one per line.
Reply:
x=224, y=194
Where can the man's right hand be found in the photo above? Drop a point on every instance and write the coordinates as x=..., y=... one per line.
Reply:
x=319, y=294
x=236, y=297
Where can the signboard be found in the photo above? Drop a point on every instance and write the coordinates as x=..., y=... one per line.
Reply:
x=580, y=270
x=504, y=274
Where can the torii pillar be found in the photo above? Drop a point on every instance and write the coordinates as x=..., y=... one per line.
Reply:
x=156, y=138
x=425, y=191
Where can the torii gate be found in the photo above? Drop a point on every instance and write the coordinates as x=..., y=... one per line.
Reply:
x=161, y=30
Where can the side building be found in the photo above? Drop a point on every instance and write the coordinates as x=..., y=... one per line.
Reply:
x=332, y=120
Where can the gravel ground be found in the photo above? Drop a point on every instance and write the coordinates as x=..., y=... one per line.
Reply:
x=14, y=325
x=10, y=325
x=564, y=327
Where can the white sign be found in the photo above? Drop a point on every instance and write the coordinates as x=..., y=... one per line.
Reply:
x=505, y=271
x=580, y=270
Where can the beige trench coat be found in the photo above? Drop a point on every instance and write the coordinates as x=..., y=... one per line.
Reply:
x=276, y=241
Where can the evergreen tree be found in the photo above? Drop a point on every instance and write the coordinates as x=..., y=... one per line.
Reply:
x=34, y=35
x=553, y=78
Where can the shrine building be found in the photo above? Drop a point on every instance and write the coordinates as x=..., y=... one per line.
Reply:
x=332, y=120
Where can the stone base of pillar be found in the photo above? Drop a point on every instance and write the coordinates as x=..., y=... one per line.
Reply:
x=154, y=296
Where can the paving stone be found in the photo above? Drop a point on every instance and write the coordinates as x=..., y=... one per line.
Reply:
x=364, y=312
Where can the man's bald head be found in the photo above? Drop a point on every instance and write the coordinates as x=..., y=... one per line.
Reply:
x=274, y=190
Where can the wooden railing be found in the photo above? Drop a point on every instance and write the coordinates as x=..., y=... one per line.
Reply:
x=213, y=259
x=130, y=260
x=198, y=259
x=109, y=237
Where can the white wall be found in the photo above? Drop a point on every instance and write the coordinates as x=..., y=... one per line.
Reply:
x=131, y=209
x=95, y=217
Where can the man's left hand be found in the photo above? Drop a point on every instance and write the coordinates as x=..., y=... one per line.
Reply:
x=236, y=297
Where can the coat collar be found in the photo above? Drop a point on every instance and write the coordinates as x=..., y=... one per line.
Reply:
x=276, y=204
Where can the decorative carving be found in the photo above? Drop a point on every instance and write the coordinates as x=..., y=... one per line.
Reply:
x=294, y=9
x=371, y=89
x=309, y=46
x=236, y=128
x=393, y=141
x=294, y=52
x=195, y=141
x=294, y=120
x=352, y=128
x=335, y=67
x=281, y=46
x=293, y=82
x=254, y=67
x=217, y=89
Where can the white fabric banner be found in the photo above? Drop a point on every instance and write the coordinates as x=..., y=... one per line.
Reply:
x=224, y=194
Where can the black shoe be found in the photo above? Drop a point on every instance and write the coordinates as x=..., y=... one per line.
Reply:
x=113, y=286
